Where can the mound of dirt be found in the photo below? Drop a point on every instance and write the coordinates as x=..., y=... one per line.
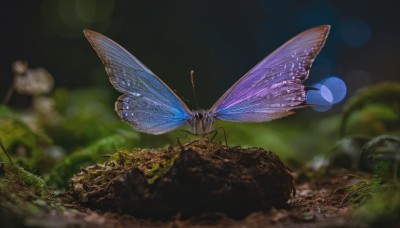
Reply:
x=199, y=177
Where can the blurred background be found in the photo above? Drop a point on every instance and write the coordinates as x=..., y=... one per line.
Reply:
x=219, y=40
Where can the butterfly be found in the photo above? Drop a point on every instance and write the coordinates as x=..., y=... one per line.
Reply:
x=270, y=90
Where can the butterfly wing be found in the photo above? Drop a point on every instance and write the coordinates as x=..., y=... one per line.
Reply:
x=274, y=86
x=148, y=104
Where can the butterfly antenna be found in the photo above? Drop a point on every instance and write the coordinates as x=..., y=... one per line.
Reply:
x=193, y=88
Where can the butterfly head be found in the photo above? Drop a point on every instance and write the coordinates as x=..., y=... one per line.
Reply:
x=201, y=122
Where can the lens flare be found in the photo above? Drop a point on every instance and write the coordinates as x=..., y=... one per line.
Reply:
x=316, y=100
x=329, y=91
x=337, y=88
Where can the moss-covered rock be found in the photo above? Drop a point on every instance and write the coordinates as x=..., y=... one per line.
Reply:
x=197, y=178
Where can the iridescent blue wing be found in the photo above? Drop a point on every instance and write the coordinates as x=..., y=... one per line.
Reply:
x=148, y=104
x=274, y=87
x=146, y=115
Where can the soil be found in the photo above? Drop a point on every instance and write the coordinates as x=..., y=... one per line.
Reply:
x=194, y=179
x=316, y=204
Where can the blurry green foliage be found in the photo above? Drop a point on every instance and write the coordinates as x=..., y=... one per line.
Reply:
x=382, y=155
x=87, y=115
x=382, y=209
x=372, y=111
x=89, y=155
x=269, y=135
x=376, y=198
x=379, y=155
x=5, y=111
x=292, y=138
x=19, y=174
x=13, y=132
x=367, y=119
x=20, y=191
x=22, y=144
x=347, y=151
x=359, y=192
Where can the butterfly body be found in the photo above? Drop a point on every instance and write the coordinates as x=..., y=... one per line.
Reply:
x=201, y=122
x=270, y=90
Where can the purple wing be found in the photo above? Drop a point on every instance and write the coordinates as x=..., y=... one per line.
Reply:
x=274, y=86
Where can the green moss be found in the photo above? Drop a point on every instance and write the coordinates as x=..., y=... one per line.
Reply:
x=92, y=154
x=23, y=145
x=151, y=162
x=22, y=194
x=381, y=209
x=360, y=191
x=25, y=178
x=13, y=131
x=158, y=169
x=152, y=165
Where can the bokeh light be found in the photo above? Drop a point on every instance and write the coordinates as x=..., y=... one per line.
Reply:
x=67, y=18
x=329, y=91
x=316, y=100
x=326, y=93
x=336, y=87
x=355, y=32
x=315, y=13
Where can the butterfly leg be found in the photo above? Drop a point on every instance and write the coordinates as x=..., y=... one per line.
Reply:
x=178, y=138
x=5, y=152
x=215, y=134
x=188, y=132
x=180, y=144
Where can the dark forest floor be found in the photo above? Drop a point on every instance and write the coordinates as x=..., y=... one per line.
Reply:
x=316, y=204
